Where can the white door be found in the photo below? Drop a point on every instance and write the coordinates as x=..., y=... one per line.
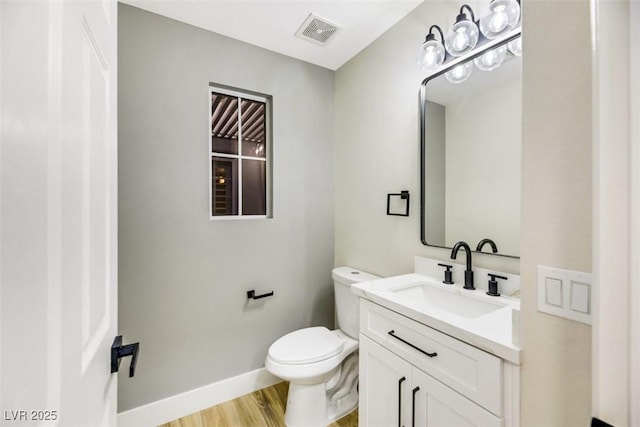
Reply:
x=58, y=212
x=384, y=387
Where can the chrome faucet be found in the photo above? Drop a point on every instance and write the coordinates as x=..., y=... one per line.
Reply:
x=468, y=273
x=490, y=242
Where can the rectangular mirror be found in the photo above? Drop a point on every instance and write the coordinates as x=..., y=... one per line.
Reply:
x=470, y=157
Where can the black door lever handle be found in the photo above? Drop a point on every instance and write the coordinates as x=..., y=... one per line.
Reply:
x=118, y=351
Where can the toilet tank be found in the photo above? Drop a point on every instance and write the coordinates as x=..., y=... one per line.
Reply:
x=347, y=304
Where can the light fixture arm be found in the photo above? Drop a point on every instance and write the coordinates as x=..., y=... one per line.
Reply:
x=430, y=36
x=462, y=15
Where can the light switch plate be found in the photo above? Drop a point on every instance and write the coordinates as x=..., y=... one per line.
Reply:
x=565, y=293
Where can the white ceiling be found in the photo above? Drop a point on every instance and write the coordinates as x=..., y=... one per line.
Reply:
x=272, y=24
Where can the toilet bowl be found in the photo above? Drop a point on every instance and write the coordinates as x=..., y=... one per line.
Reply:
x=322, y=365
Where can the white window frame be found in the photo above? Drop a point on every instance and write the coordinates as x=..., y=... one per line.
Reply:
x=241, y=94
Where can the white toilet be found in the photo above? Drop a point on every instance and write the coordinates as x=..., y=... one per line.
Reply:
x=322, y=365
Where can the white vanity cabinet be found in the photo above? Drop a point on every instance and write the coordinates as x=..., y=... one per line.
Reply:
x=395, y=393
x=413, y=375
x=385, y=384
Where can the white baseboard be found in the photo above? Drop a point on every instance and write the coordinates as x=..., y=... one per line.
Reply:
x=174, y=407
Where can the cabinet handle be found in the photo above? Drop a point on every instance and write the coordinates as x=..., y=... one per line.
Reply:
x=392, y=333
x=413, y=407
x=400, y=381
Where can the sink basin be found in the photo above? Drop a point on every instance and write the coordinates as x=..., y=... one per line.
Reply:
x=489, y=323
x=451, y=301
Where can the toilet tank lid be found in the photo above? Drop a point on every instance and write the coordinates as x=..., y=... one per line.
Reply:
x=349, y=275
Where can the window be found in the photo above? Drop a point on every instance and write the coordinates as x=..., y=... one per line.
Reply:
x=240, y=154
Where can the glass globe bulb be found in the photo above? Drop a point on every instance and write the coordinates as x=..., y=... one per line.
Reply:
x=461, y=38
x=515, y=46
x=502, y=16
x=492, y=59
x=459, y=73
x=430, y=55
x=498, y=20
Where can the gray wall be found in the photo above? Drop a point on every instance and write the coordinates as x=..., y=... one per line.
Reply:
x=182, y=277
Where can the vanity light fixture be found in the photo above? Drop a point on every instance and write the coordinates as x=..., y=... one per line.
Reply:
x=501, y=17
x=492, y=59
x=431, y=53
x=463, y=35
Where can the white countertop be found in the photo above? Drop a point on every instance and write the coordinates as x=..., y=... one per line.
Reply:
x=495, y=332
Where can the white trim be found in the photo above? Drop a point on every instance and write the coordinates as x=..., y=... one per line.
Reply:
x=240, y=192
x=511, y=393
x=262, y=159
x=210, y=145
x=54, y=211
x=634, y=95
x=180, y=405
x=235, y=156
x=213, y=88
x=241, y=95
x=224, y=155
x=237, y=217
x=614, y=180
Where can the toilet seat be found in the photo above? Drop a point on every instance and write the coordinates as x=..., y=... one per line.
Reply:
x=306, y=346
x=310, y=372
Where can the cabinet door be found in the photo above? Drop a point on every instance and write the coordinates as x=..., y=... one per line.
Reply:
x=436, y=405
x=385, y=399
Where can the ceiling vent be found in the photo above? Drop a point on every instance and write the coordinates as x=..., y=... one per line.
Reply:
x=317, y=30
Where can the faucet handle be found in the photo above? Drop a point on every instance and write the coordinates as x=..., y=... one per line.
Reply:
x=447, y=274
x=493, y=284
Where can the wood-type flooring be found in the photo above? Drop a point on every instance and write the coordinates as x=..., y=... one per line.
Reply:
x=262, y=408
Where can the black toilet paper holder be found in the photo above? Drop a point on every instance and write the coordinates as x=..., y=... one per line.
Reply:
x=252, y=294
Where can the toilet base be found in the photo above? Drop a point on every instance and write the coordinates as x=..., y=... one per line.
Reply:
x=338, y=410
x=342, y=397
x=311, y=406
x=306, y=406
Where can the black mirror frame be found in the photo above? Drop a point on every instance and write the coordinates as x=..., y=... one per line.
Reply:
x=422, y=109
